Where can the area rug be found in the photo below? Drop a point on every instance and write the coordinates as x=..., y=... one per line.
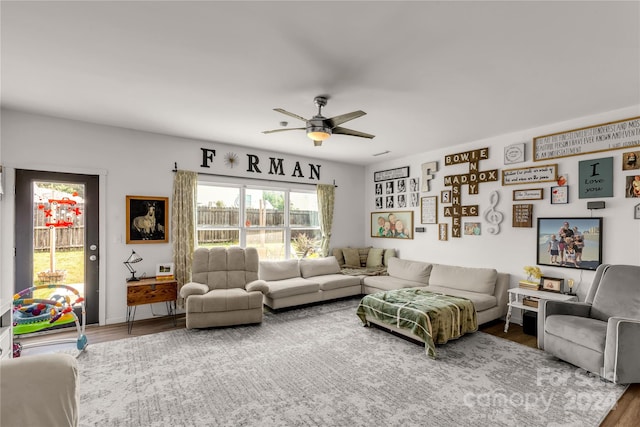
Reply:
x=318, y=366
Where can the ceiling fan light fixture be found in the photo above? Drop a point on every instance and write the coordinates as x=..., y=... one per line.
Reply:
x=318, y=133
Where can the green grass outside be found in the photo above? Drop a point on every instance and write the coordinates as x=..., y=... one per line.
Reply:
x=70, y=261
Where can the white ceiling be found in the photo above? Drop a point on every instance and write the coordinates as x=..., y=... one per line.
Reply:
x=429, y=74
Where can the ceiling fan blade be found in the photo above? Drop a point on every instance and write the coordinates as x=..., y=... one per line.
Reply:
x=295, y=116
x=281, y=130
x=345, y=131
x=343, y=118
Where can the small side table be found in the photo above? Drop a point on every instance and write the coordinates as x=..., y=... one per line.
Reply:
x=517, y=294
x=150, y=291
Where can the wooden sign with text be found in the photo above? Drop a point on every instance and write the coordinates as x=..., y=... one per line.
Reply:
x=522, y=216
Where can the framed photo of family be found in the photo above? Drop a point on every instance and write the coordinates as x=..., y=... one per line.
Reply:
x=570, y=242
x=392, y=224
x=551, y=284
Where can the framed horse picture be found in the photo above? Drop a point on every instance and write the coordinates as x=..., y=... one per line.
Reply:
x=147, y=219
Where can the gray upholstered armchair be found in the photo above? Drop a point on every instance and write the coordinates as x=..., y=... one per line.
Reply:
x=602, y=334
x=225, y=289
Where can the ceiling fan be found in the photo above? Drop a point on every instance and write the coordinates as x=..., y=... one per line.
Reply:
x=320, y=128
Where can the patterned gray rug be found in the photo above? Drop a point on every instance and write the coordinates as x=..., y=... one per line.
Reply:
x=317, y=366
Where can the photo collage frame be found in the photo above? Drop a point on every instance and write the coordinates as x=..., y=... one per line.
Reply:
x=399, y=193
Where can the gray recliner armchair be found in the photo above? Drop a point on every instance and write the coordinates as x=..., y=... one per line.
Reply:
x=602, y=334
x=225, y=289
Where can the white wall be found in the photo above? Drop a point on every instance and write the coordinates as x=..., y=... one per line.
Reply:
x=513, y=248
x=139, y=163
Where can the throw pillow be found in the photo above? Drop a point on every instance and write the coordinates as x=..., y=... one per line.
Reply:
x=338, y=254
x=374, y=258
x=351, y=257
x=310, y=267
x=389, y=253
x=364, y=253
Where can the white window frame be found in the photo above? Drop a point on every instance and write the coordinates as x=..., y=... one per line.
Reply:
x=286, y=227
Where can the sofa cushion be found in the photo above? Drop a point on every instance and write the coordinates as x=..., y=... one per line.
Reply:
x=337, y=252
x=329, y=282
x=388, y=253
x=290, y=287
x=363, y=253
x=374, y=258
x=409, y=270
x=388, y=283
x=279, y=270
x=319, y=266
x=351, y=257
x=219, y=300
x=480, y=301
x=481, y=280
x=585, y=331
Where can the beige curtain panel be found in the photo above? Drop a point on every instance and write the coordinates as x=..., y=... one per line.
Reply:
x=183, y=225
x=326, y=200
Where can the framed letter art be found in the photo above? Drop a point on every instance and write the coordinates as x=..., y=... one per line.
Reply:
x=429, y=210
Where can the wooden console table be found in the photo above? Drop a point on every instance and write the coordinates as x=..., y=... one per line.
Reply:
x=150, y=291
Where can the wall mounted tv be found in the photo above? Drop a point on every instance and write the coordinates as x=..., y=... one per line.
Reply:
x=570, y=242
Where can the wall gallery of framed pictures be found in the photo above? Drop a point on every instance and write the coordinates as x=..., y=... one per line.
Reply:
x=398, y=193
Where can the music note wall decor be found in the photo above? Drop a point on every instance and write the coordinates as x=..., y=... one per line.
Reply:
x=491, y=215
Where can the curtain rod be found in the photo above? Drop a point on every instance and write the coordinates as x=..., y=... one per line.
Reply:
x=175, y=169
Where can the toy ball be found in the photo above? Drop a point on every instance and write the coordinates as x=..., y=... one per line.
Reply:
x=35, y=311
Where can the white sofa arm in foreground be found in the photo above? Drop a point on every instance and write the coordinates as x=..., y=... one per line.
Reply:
x=39, y=390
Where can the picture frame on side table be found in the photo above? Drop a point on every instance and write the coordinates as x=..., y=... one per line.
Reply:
x=165, y=271
x=551, y=284
x=636, y=211
x=147, y=219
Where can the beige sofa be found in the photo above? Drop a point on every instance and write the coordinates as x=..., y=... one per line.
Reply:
x=308, y=280
x=39, y=390
x=485, y=287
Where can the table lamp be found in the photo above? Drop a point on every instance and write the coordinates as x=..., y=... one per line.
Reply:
x=133, y=258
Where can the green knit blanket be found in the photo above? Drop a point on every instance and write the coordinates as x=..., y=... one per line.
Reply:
x=434, y=318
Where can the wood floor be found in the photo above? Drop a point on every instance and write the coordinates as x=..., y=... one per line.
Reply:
x=625, y=414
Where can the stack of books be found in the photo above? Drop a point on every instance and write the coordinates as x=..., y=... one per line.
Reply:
x=530, y=301
x=525, y=284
